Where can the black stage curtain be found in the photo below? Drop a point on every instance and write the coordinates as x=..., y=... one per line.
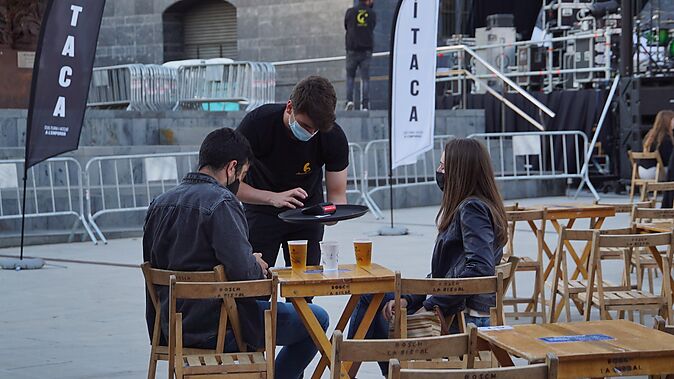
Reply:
x=575, y=110
x=525, y=12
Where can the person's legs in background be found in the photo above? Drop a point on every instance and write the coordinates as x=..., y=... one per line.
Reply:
x=351, y=66
x=298, y=347
x=365, y=79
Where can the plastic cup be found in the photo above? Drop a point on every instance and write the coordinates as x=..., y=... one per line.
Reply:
x=298, y=255
x=363, y=250
x=330, y=255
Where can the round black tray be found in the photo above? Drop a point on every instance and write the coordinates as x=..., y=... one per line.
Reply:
x=344, y=212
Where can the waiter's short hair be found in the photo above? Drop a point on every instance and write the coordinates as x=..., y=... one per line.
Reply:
x=222, y=146
x=315, y=96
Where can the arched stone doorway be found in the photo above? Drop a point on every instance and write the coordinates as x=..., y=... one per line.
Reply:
x=200, y=29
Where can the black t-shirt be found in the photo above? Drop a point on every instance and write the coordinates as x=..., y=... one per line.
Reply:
x=283, y=162
x=359, y=23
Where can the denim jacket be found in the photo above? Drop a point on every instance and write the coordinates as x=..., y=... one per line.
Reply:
x=195, y=227
x=468, y=248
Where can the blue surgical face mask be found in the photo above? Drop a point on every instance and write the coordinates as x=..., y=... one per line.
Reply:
x=299, y=132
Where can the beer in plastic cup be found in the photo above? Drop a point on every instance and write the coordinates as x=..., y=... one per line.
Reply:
x=363, y=251
x=330, y=255
x=298, y=255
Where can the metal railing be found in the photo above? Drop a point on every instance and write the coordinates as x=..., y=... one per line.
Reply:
x=536, y=155
x=53, y=188
x=377, y=165
x=133, y=87
x=354, y=175
x=128, y=183
x=214, y=84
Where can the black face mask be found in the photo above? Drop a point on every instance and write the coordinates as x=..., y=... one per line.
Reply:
x=440, y=180
x=234, y=186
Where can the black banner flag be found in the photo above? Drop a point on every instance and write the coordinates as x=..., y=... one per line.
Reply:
x=61, y=75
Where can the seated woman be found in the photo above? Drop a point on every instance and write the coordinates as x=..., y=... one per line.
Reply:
x=471, y=235
x=659, y=138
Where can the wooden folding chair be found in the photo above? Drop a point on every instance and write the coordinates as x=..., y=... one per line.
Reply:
x=661, y=325
x=547, y=370
x=645, y=263
x=412, y=349
x=527, y=264
x=467, y=286
x=570, y=289
x=155, y=278
x=259, y=364
x=635, y=157
x=621, y=209
x=627, y=298
x=650, y=191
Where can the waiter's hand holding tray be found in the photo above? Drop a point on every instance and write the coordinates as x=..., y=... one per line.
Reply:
x=323, y=213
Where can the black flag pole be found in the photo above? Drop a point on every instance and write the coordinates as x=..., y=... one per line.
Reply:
x=392, y=230
x=23, y=211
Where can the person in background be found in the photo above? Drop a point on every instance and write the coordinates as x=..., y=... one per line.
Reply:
x=292, y=143
x=659, y=138
x=471, y=226
x=359, y=22
x=201, y=224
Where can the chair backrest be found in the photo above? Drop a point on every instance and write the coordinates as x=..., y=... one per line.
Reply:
x=628, y=242
x=455, y=345
x=465, y=286
x=651, y=189
x=652, y=214
x=547, y=370
x=511, y=207
x=155, y=277
x=661, y=325
x=635, y=157
x=627, y=207
x=180, y=290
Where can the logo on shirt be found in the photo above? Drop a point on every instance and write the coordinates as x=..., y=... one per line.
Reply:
x=306, y=169
x=361, y=17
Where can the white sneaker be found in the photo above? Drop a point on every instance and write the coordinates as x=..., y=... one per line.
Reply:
x=349, y=106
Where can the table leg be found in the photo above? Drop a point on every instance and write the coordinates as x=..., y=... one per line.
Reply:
x=582, y=264
x=558, y=229
x=341, y=325
x=370, y=313
x=502, y=356
x=313, y=327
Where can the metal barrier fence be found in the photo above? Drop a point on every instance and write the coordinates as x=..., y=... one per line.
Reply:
x=215, y=84
x=133, y=87
x=354, y=175
x=536, y=155
x=128, y=183
x=53, y=188
x=376, y=170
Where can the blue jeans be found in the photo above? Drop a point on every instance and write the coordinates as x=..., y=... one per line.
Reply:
x=298, y=347
x=355, y=60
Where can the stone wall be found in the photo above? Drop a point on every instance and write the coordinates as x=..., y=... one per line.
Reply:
x=268, y=30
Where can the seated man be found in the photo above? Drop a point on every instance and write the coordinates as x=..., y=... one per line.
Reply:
x=200, y=224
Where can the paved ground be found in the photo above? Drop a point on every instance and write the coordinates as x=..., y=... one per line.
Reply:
x=75, y=320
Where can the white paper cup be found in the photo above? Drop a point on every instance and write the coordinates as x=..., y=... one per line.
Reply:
x=330, y=255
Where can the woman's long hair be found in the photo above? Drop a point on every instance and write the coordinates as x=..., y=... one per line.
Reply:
x=469, y=173
x=662, y=127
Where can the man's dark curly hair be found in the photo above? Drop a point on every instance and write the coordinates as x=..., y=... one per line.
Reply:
x=315, y=96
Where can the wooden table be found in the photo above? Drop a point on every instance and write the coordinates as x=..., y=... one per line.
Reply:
x=348, y=280
x=619, y=348
x=597, y=214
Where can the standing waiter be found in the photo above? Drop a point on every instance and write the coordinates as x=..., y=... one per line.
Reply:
x=292, y=143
